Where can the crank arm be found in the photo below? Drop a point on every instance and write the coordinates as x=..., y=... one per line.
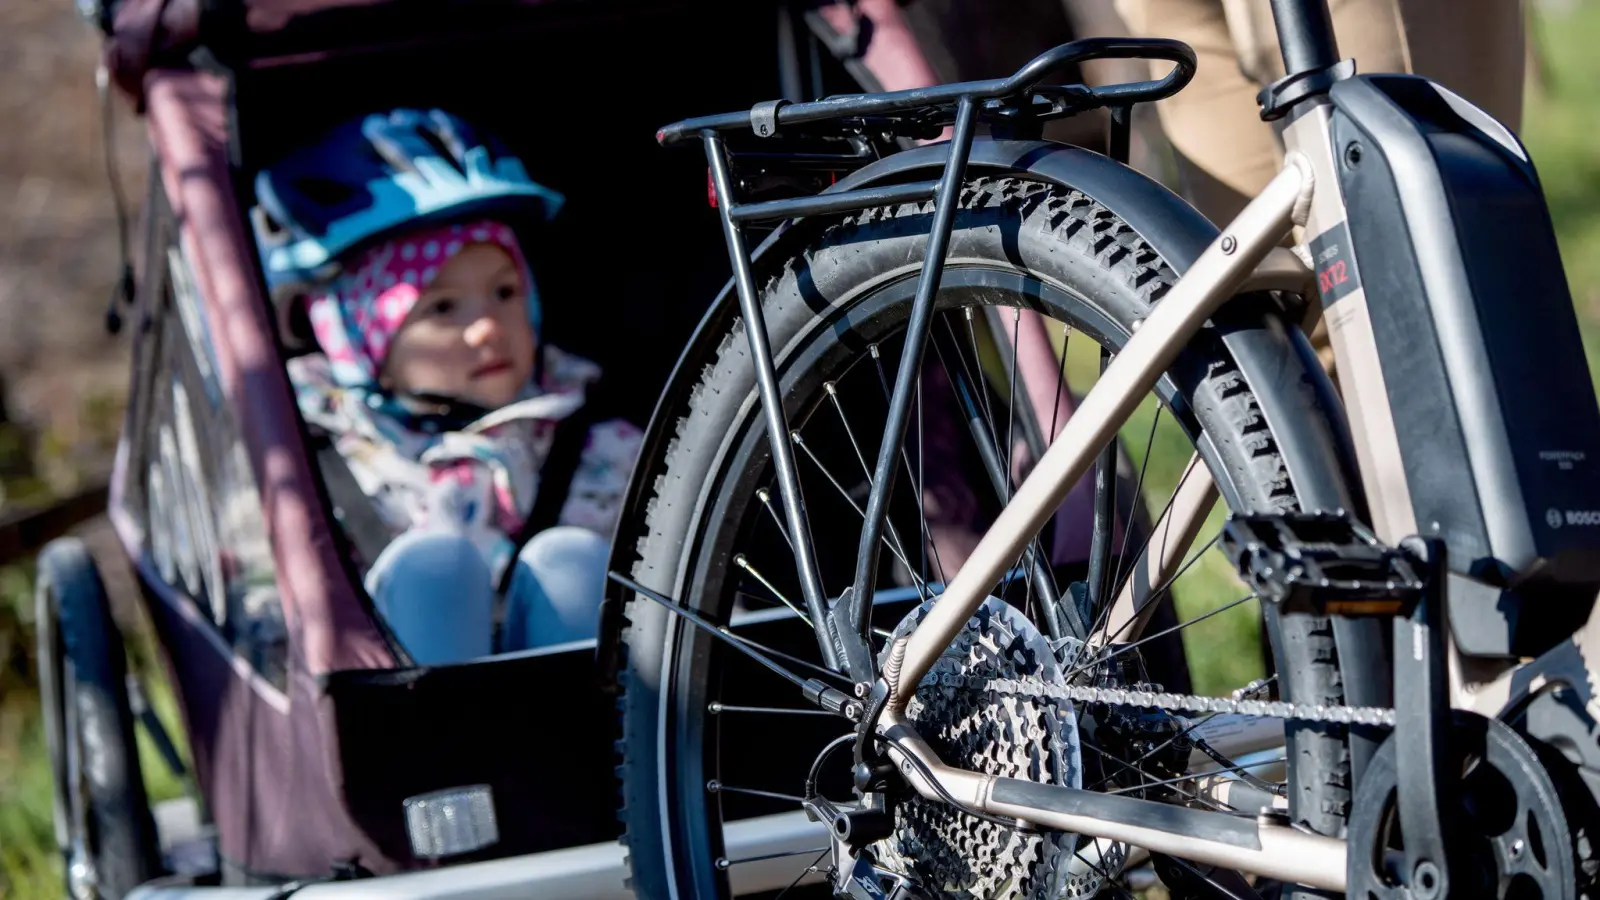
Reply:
x=1422, y=725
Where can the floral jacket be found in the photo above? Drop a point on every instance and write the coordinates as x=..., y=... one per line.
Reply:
x=482, y=480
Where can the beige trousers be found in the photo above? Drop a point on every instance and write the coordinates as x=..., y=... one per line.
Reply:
x=1224, y=154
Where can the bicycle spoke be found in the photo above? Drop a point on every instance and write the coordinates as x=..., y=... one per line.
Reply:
x=979, y=379
x=1156, y=749
x=1181, y=778
x=891, y=538
x=769, y=710
x=716, y=787
x=1220, y=889
x=1166, y=631
x=744, y=563
x=1138, y=485
x=917, y=482
x=803, y=873
x=724, y=863
x=1061, y=379
x=1166, y=586
x=1011, y=402
x=765, y=496
x=779, y=654
x=1103, y=616
x=1231, y=765
x=746, y=592
x=1143, y=775
x=883, y=380
x=1110, y=881
x=920, y=578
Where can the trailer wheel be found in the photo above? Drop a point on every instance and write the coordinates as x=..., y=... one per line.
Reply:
x=103, y=823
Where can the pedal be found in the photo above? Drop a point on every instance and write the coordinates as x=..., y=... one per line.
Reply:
x=1321, y=563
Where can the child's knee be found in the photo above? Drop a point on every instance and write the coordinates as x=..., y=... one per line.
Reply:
x=557, y=594
x=431, y=556
x=570, y=563
x=425, y=585
x=566, y=545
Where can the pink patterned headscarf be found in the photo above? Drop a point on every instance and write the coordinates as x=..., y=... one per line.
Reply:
x=356, y=318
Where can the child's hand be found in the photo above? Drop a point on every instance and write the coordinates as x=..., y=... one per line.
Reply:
x=465, y=499
x=459, y=498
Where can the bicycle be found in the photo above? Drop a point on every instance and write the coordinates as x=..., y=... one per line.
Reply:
x=1422, y=540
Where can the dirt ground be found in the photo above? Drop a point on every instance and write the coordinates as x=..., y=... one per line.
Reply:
x=59, y=255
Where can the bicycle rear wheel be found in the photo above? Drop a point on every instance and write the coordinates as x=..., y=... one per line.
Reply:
x=835, y=313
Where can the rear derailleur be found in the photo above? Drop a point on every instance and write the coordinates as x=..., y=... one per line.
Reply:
x=853, y=874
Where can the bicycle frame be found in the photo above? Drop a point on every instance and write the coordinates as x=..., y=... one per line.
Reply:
x=1314, y=191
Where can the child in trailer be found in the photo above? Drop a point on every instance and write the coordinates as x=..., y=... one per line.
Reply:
x=402, y=235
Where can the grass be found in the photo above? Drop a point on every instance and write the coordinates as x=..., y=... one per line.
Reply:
x=1224, y=650
x=1561, y=117
x=30, y=867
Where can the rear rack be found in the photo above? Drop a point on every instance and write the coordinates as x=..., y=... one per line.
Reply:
x=1017, y=107
x=1021, y=97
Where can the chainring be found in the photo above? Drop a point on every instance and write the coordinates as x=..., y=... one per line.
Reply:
x=1511, y=830
x=1034, y=738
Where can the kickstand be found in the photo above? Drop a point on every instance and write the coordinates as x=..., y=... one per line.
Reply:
x=1422, y=724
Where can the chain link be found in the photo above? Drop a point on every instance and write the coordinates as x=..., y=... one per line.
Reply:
x=1136, y=696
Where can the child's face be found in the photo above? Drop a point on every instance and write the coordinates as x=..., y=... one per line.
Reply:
x=468, y=335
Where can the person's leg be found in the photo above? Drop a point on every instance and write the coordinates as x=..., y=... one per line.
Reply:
x=555, y=594
x=432, y=588
x=1476, y=48
x=1224, y=153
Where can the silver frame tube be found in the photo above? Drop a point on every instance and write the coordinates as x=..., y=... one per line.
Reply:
x=1281, y=852
x=1210, y=282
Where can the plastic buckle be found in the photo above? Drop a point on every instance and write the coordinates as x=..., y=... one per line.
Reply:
x=764, y=117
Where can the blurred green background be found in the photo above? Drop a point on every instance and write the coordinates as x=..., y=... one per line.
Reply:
x=60, y=405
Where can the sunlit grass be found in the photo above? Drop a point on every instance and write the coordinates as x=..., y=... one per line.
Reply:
x=30, y=865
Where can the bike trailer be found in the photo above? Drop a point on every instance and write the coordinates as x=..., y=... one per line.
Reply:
x=318, y=753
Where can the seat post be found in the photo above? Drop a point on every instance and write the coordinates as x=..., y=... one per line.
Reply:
x=1305, y=34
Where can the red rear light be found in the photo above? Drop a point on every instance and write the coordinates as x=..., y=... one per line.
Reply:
x=711, y=189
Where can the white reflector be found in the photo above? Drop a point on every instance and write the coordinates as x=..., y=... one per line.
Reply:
x=451, y=821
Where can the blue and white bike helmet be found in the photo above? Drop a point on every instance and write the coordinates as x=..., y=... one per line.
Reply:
x=374, y=175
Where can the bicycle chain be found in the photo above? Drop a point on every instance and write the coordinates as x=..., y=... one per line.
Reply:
x=1137, y=696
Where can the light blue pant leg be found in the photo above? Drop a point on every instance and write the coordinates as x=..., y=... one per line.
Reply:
x=556, y=591
x=433, y=589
